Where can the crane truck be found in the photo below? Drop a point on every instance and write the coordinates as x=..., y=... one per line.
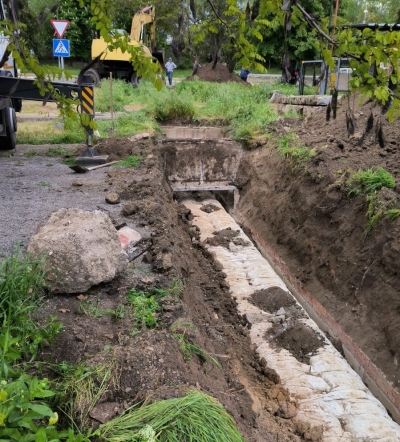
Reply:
x=143, y=36
x=14, y=89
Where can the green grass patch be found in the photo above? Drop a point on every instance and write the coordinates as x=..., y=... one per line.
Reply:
x=392, y=214
x=89, y=307
x=289, y=148
x=130, y=161
x=370, y=180
x=122, y=94
x=127, y=125
x=22, y=281
x=145, y=305
x=196, y=417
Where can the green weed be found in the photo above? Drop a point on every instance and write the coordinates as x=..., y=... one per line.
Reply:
x=188, y=349
x=31, y=153
x=145, y=305
x=369, y=181
x=117, y=313
x=122, y=93
x=289, y=148
x=172, y=107
x=392, y=214
x=43, y=184
x=57, y=152
x=91, y=308
x=69, y=161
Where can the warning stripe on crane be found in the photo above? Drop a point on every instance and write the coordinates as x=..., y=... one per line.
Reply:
x=87, y=100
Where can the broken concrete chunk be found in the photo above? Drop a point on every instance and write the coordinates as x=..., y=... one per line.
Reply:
x=82, y=249
x=281, y=312
x=128, y=236
x=141, y=136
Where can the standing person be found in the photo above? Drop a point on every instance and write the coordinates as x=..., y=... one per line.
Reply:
x=170, y=66
x=244, y=73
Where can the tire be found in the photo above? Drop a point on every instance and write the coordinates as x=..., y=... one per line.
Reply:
x=94, y=75
x=134, y=79
x=10, y=140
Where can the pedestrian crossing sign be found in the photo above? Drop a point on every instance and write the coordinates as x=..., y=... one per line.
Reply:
x=61, y=48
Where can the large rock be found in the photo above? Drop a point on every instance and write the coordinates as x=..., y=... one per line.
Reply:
x=82, y=249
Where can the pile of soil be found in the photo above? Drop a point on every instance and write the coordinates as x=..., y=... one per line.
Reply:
x=150, y=365
x=218, y=75
x=305, y=213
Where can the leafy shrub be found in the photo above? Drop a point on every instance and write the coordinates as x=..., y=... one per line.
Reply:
x=25, y=416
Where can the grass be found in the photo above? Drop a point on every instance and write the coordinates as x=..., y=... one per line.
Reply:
x=289, y=148
x=195, y=417
x=130, y=161
x=79, y=388
x=370, y=180
x=91, y=308
x=145, y=305
x=22, y=281
x=244, y=109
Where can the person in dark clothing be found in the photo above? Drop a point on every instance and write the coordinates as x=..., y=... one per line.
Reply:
x=244, y=73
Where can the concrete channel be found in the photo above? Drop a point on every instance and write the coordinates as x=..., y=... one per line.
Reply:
x=349, y=397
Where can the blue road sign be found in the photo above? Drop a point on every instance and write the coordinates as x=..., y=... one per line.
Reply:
x=61, y=48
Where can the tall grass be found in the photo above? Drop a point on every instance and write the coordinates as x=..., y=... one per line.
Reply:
x=22, y=280
x=195, y=417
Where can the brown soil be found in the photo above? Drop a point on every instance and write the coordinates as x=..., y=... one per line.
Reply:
x=301, y=341
x=304, y=212
x=218, y=75
x=272, y=299
x=150, y=364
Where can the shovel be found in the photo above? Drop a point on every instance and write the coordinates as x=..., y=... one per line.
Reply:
x=82, y=169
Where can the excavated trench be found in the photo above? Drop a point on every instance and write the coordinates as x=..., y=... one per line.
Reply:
x=292, y=332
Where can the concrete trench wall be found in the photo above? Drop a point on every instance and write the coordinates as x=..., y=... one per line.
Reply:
x=211, y=165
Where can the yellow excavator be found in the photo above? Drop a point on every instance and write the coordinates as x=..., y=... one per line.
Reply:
x=143, y=35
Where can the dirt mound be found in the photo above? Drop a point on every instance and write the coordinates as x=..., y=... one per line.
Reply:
x=218, y=75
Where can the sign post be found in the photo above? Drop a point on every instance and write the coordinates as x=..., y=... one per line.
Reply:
x=60, y=47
